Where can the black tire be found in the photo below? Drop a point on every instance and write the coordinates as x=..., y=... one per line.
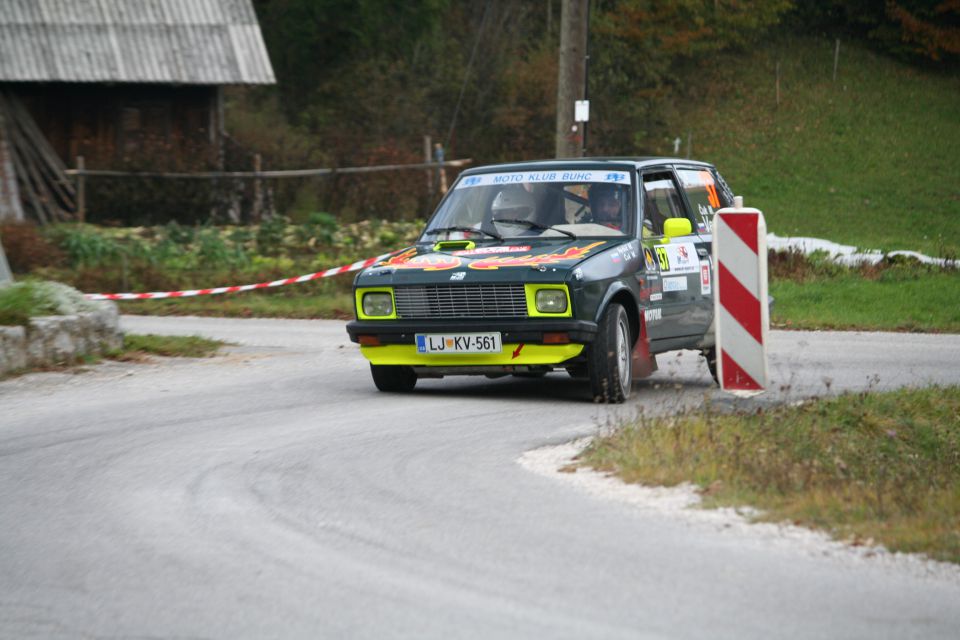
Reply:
x=710, y=355
x=609, y=363
x=396, y=378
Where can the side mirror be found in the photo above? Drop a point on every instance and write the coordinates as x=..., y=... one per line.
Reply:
x=674, y=227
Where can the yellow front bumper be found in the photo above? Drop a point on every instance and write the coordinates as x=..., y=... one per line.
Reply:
x=512, y=354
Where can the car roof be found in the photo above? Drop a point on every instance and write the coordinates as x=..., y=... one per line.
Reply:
x=637, y=162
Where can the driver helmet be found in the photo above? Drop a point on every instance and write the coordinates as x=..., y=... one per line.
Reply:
x=513, y=203
x=605, y=203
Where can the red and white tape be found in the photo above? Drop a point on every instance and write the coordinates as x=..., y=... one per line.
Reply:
x=740, y=299
x=155, y=295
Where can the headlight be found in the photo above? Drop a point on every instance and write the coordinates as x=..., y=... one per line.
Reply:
x=551, y=301
x=377, y=303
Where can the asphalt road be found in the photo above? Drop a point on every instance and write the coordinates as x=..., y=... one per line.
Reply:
x=273, y=492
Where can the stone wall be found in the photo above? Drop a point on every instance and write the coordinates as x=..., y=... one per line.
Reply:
x=51, y=340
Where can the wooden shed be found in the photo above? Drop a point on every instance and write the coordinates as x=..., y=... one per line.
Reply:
x=122, y=83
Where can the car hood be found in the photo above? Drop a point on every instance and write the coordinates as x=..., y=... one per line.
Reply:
x=509, y=261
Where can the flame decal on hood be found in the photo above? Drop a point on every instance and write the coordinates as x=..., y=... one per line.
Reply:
x=428, y=261
x=409, y=259
x=495, y=262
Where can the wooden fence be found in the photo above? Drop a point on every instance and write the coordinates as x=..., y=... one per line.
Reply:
x=81, y=174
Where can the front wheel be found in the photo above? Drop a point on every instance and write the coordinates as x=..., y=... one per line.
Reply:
x=609, y=365
x=396, y=378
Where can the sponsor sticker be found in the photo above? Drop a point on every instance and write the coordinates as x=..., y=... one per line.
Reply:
x=706, y=217
x=656, y=297
x=674, y=284
x=653, y=315
x=459, y=275
x=627, y=251
x=677, y=258
x=521, y=177
x=705, y=278
x=648, y=259
x=483, y=251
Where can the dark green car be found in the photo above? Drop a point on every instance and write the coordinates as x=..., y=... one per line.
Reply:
x=591, y=266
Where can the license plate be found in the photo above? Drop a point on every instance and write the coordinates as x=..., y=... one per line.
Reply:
x=459, y=342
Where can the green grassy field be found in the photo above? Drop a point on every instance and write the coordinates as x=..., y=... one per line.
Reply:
x=868, y=160
x=899, y=300
x=811, y=292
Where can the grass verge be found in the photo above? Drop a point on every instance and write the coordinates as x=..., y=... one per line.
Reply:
x=881, y=467
x=249, y=305
x=138, y=345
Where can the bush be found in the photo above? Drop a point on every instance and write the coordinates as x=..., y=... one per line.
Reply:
x=85, y=245
x=27, y=249
x=175, y=256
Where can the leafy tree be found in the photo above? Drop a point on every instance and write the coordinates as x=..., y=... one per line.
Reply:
x=311, y=42
x=911, y=29
x=637, y=49
x=932, y=32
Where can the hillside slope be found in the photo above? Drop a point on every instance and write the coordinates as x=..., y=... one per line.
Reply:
x=870, y=159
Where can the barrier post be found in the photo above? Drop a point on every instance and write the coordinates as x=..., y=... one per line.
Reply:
x=741, y=308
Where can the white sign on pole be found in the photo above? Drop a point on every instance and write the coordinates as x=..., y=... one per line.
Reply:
x=581, y=110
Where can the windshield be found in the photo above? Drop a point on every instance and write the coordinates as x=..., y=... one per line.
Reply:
x=550, y=204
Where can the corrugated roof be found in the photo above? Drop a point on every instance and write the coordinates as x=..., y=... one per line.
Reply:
x=162, y=41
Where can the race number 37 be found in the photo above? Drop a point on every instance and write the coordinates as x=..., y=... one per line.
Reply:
x=663, y=259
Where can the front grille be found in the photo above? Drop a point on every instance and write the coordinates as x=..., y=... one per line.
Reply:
x=462, y=301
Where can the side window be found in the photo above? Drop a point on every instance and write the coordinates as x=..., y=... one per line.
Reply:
x=705, y=193
x=661, y=200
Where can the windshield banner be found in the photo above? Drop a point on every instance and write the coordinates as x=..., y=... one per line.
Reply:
x=566, y=175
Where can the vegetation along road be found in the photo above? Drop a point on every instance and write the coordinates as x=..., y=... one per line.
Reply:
x=272, y=491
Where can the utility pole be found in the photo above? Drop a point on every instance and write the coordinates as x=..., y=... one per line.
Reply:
x=571, y=76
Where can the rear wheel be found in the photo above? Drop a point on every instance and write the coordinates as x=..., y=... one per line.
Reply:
x=397, y=378
x=609, y=365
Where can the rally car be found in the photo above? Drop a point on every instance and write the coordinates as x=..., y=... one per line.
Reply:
x=592, y=266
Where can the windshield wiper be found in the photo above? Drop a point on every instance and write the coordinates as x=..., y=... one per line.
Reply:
x=535, y=225
x=464, y=229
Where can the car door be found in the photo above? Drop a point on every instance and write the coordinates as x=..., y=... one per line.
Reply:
x=681, y=311
x=705, y=192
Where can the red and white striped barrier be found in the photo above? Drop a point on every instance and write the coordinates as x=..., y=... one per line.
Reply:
x=740, y=300
x=154, y=295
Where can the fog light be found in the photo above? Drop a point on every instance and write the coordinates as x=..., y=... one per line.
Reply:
x=551, y=301
x=377, y=303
